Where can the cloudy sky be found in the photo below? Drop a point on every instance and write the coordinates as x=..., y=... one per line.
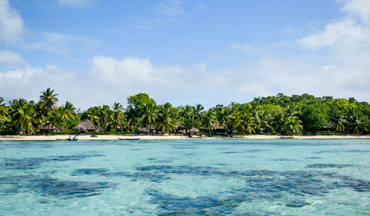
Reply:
x=95, y=52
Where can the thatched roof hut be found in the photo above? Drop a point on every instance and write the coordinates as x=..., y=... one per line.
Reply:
x=219, y=127
x=100, y=129
x=194, y=130
x=86, y=126
x=49, y=127
x=144, y=130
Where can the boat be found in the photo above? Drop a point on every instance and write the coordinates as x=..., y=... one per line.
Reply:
x=129, y=138
x=72, y=139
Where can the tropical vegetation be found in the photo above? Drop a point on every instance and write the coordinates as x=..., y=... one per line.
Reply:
x=280, y=114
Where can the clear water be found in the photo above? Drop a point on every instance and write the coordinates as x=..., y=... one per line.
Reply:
x=187, y=177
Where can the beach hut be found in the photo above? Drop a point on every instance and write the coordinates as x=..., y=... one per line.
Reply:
x=86, y=126
x=49, y=127
x=100, y=129
x=144, y=130
x=194, y=130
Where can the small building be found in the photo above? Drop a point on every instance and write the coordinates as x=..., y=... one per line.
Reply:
x=49, y=127
x=86, y=126
x=100, y=129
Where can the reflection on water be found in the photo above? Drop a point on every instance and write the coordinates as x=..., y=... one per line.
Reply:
x=187, y=177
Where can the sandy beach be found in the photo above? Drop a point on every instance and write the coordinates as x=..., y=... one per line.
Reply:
x=166, y=137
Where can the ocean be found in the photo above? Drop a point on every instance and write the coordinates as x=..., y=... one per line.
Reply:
x=185, y=177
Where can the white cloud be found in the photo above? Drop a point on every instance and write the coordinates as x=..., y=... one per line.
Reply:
x=337, y=34
x=77, y=3
x=246, y=47
x=29, y=82
x=122, y=71
x=60, y=43
x=200, y=7
x=150, y=24
x=8, y=57
x=172, y=7
x=11, y=23
x=358, y=8
x=111, y=80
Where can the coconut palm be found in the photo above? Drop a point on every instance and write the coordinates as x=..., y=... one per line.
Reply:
x=188, y=121
x=93, y=115
x=117, y=114
x=104, y=113
x=49, y=99
x=208, y=120
x=165, y=120
x=256, y=109
x=359, y=124
x=3, y=109
x=293, y=126
x=248, y=125
x=278, y=121
x=236, y=121
x=54, y=118
x=247, y=122
x=130, y=114
x=39, y=109
x=337, y=121
x=149, y=114
x=67, y=112
x=225, y=117
x=198, y=113
x=265, y=120
x=22, y=115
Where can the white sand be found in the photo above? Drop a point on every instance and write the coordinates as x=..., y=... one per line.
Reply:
x=166, y=137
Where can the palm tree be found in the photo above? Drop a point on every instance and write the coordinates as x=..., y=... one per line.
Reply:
x=337, y=120
x=39, y=109
x=278, y=121
x=130, y=114
x=22, y=115
x=188, y=121
x=104, y=114
x=208, y=120
x=265, y=119
x=256, y=109
x=149, y=114
x=225, y=117
x=247, y=121
x=249, y=125
x=54, y=118
x=293, y=126
x=49, y=99
x=3, y=109
x=117, y=114
x=67, y=112
x=93, y=115
x=165, y=120
x=198, y=113
x=359, y=124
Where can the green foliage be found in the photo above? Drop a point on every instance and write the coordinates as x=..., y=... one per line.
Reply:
x=280, y=114
x=314, y=116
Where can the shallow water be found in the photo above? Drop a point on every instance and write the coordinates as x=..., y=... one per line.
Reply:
x=186, y=177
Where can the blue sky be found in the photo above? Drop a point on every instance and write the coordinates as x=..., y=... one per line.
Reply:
x=95, y=52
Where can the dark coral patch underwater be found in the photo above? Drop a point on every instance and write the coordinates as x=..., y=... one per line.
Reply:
x=259, y=184
x=47, y=186
x=32, y=163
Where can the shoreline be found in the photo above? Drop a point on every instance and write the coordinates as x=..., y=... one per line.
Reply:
x=166, y=137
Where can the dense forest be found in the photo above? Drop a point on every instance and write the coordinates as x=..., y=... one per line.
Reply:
x=280, y=114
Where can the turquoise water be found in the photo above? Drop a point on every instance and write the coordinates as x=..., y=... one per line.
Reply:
x=187, y=177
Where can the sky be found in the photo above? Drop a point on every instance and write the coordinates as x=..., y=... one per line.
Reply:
x=95, y=52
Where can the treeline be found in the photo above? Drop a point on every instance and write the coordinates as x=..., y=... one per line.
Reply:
x=281, y=114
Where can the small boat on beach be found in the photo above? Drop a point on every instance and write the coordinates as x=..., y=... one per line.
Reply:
x=130, y=138
x=72, y=139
